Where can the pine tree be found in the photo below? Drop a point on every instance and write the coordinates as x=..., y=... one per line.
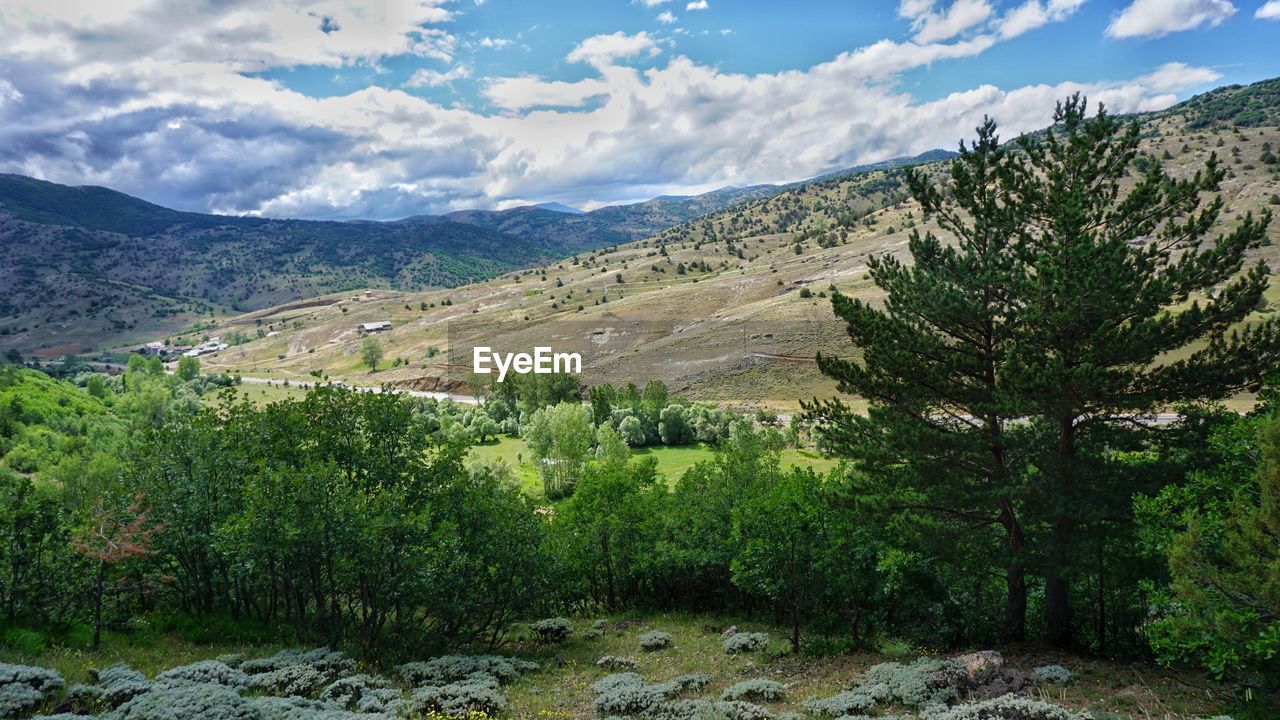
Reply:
x=1119, y=281
x=933, y=444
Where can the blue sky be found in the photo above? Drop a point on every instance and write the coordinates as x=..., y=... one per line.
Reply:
x=380, y=109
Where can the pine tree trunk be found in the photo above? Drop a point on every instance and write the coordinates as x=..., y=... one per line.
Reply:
x=1057, y=606
x=1014, y=626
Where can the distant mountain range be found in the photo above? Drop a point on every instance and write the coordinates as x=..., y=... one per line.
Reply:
x=80, y=266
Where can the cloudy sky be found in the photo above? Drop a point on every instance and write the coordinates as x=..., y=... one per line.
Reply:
x=382, y=109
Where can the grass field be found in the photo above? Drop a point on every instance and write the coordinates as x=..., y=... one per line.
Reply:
x=561, y=689
x=672, y=461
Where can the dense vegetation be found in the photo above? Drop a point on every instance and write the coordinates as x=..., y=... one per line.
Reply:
x=1002, y=485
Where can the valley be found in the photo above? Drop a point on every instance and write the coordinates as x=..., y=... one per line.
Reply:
x=731, y=307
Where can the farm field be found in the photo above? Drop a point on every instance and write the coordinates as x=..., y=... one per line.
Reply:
x=672, y=461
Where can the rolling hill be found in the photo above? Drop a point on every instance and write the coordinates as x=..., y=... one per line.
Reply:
x=84, y=267
x=730, y=306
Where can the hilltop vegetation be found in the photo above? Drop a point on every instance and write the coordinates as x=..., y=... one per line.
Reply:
x=728, y=307
x=87, y=266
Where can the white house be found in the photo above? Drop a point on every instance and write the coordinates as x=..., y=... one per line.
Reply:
x=374, y=327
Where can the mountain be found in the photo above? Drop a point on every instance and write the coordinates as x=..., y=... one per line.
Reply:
x=623, y=223
x=558, y=207
x=729, y=306
x=83, y=267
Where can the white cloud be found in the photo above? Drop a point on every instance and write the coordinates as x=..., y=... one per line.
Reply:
x=433, y=78
x=932, y=25
x=651, y=3
x=1176, y=77
x=1269, y=11
x=495, y=43
x=519, y=93
x=666, y=17
x=697, y=5
x=132, y=100
x=1160, y=17
x=1033, y=14
x=604, y=49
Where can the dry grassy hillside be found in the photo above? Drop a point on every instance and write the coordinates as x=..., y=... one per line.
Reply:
x=731, y=307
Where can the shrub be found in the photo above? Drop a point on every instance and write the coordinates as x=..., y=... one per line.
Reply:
x=1055, y=674
x=447, y=668
x=708, y=709
x=324, y=660
x=120, y=684
x=611, y=662
x=479, y=692
x=1007, y=707
x=207, y=672
x=745, y=642
x=24, y=687
x=292, y=681
x=629, y=694
x=762, y=689
x=295, y=708
x=923, y=683
x=655, y=640
x=188, y=700
x=552, y=630
x=363, y=693
x=850, y=702
x=63, y=716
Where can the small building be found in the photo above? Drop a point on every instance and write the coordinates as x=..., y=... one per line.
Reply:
x=154, y=349
x=374, y=327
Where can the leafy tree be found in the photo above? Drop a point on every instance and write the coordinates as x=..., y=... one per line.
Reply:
x=371, y=352
x=610, y=447
x=1221, y=535
x=632, y=431
x=933, y=445
x=781, y=529
x=1109, y=268
x=188, y=368
x=482, y=426
x=673, y=427
x=559, y=438
x=607, y=529
x=111, y=537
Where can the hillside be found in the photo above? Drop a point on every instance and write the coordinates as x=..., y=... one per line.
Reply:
x=729, y=307
x=84, y=267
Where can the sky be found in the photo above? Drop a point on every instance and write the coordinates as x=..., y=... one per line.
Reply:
x=339, y=109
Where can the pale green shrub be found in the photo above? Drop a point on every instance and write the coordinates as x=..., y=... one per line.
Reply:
x=850, y=702
x=187, y=701
x=447, y=668
x=1055, y=674
x=762, y=689
x=292, y=681
x=1006, y=707
x=745, y=642
x=478, y=692
x=552, y=630
x=24, y=687
x=363, y=693
x=208, y=672
x=612, y=662
x=655, y=640
x=120, y=684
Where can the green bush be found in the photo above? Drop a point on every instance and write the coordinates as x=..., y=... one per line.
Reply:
x=655, y=640
x=552, y=630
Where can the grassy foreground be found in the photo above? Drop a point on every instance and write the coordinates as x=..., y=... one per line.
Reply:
x=562, y=687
